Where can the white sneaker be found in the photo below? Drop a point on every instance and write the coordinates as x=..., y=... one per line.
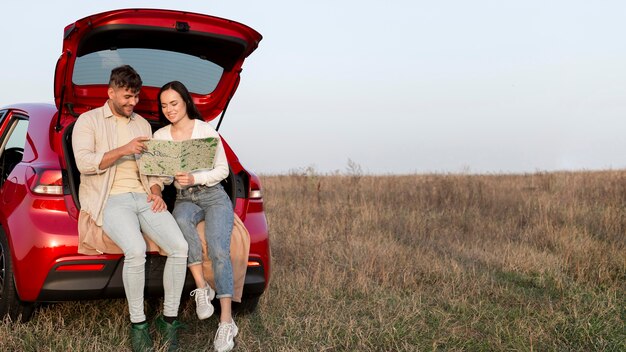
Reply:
x=225, y=336
x=204, y=308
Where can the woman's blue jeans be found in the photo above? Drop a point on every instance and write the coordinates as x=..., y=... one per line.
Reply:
x=126, y=216
x=212, y=205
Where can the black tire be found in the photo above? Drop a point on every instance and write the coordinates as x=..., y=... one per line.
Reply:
x=10, y=304
x=247, y=306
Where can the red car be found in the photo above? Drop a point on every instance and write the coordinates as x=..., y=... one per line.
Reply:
x=39, y=181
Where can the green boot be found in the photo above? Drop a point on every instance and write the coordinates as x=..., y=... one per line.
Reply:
x=168, y=332
x=140, y=337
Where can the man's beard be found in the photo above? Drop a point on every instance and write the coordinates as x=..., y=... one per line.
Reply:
x=119, y=110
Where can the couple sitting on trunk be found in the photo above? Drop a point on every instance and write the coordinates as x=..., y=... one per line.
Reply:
x=118, y=201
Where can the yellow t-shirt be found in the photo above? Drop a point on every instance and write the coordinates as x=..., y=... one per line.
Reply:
x=126, y=177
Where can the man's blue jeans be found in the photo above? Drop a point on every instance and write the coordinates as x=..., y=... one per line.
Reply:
x=126, y=216
x=212, y=205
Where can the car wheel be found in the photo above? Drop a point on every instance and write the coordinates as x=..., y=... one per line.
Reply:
x=10, y=304
x=247, y=306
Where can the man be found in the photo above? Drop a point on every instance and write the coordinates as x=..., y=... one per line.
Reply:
x=115, y=198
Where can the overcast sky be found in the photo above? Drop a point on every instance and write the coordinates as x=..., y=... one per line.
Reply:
x=396, y=87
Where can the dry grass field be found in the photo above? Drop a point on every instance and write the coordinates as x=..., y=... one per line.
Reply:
x=532, y=262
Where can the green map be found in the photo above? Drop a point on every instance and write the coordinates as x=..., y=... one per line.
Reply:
x=165, y=158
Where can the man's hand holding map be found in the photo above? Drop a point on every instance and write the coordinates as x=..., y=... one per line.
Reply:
x=165, y=158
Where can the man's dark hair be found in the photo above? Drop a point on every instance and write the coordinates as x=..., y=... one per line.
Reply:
x=192, y=109
x=125, y=77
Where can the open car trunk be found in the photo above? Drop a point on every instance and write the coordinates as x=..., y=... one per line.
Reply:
x=205, y=53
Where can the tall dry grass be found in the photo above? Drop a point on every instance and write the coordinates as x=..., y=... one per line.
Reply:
x=448, y=262
x=531, y=262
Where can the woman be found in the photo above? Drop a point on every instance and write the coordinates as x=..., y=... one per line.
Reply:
x=200, y=196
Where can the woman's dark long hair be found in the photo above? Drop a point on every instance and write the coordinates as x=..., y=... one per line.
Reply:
x=178, y=87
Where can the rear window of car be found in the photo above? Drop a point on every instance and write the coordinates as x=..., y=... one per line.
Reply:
x=156, y=68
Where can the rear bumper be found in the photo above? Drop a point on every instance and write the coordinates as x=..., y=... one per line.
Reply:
x=73, y=280
x=255, y=284
x=102, y=279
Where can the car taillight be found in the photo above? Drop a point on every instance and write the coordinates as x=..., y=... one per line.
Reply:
x=256, y=194
x=255, y=188
x=47, y=181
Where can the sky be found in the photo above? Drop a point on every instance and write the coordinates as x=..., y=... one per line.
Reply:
x=395, y=87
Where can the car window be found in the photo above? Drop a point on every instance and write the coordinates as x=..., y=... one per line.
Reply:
x=156, y=68
x=17, y=134
x=12, y=147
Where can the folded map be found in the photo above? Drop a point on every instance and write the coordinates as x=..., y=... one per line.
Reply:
x=165, y=158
